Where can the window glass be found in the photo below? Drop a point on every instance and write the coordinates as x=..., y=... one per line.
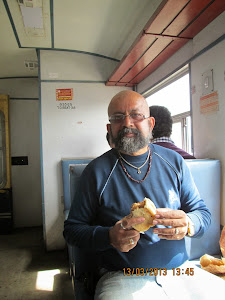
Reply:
x=174, y=96
x=176, y=135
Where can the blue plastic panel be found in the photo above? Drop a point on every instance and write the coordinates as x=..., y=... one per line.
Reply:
x=66, y=171
x=206, y=174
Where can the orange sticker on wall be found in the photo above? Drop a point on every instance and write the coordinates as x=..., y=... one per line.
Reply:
x=209, y=103
x=64, y=94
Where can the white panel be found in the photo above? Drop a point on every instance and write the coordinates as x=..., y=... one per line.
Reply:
x=209, y=134
x=61, y=65
x=69, y=133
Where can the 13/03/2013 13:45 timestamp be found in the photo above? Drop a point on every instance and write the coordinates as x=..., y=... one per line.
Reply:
x=156, y=271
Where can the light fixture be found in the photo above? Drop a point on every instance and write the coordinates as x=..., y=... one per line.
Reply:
x=30, y=3
x=31, y=11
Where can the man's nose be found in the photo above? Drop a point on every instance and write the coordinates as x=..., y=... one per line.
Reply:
x=127, y=122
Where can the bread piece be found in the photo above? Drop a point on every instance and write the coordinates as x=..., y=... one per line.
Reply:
x=146, y=209
x=212, y=264
x=222, y=241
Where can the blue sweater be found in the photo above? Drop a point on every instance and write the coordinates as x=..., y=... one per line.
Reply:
x=105, y=195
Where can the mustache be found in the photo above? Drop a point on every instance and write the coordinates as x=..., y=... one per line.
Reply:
x=126, y=130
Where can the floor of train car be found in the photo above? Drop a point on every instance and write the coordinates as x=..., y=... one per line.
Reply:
x=28, y=272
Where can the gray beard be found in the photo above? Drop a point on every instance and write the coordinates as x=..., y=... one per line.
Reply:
x=132, y=144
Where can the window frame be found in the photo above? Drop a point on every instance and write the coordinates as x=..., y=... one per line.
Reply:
x=182, y=118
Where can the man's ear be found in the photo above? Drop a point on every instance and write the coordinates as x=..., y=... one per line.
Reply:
x=108, y=126
x=152, y=122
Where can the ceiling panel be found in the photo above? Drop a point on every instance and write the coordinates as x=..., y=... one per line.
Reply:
x=106, y=27
x=206, y=17
x=160, y=59
x=165, y=15
x=11, y=56
x=157, y=47
x=186, y=16
x=141, y=46
x=31, y=37
x=139, y=34
x=175, y=25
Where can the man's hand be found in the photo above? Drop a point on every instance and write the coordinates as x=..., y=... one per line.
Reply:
x=176, y=219
x=124, y=237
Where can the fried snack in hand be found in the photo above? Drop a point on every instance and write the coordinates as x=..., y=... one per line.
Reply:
x=146, y=209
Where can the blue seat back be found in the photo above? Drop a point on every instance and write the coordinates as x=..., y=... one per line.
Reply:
x=206, y=174
x=71, y=171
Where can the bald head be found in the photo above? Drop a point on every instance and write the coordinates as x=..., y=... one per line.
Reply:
x=128, y=99
x=130, y=133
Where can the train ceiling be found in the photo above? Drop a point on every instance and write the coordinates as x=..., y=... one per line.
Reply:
x=138, y=34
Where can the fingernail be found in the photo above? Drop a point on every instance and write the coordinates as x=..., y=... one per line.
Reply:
x=155, y=222
x=155, y=231
x=157, y=216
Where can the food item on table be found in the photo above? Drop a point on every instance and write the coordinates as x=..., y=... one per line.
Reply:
x=222, y=242
x=212, y=264
x=146, y=209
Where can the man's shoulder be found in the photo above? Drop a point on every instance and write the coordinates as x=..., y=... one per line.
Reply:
x=165, y=152
x=167, y=157
x=104, y=160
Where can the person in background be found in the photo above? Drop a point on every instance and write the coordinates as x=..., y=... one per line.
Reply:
x=163, y=129
x=100, y=223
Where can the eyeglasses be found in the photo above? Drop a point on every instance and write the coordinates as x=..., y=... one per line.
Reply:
x=135, y=117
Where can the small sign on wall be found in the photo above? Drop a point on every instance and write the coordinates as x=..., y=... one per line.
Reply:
x=207, y=82
x=209, y=103
x=64, y=94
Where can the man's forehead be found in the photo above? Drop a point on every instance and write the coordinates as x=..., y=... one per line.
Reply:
x=127, y=103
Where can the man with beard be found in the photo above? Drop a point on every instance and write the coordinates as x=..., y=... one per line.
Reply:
x=99, y=221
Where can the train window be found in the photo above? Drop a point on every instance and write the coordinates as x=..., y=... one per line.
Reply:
x=2, y=151
x=174, y=94
x=181, y=133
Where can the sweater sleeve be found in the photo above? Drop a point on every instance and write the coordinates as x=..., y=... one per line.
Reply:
x=80, y=229
x=192, y=204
